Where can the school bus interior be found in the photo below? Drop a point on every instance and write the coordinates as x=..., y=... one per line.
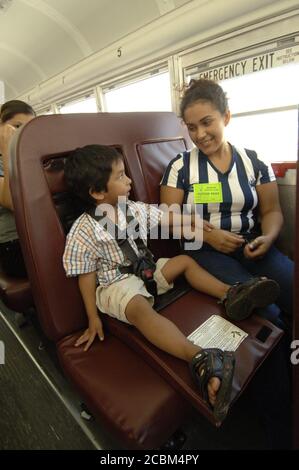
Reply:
x=57, y=299
x=113, y=73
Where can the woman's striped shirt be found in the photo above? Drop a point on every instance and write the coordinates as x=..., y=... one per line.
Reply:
x=238, y=211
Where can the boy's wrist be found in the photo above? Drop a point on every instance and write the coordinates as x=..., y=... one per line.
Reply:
x=206, y=236
x=92, y=314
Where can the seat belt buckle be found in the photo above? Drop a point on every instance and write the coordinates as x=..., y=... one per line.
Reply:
x=148, y=273
x=150, y=283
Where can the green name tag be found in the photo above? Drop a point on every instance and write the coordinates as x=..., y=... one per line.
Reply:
x=206, y=193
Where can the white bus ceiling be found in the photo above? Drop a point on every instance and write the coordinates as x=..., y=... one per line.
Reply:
x=51, y=49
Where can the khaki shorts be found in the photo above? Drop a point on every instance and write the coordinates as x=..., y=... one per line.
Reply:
x=114, y=299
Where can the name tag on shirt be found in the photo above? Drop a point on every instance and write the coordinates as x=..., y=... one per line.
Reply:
x=206, y=193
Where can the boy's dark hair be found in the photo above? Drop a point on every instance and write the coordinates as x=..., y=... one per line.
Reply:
x=89, y=168
x=205, y=90
x=13, y=107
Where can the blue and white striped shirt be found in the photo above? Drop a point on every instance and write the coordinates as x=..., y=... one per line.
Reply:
x=238, y=211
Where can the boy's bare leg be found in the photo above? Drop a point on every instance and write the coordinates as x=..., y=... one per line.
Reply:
x=197, y=277
x=165, y=335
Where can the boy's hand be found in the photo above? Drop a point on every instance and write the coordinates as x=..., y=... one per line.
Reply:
x=95, y=328
x=207, y=226
x=198, y=225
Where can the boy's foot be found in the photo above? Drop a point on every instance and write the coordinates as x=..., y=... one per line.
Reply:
x=242, y=298
x=208, y=367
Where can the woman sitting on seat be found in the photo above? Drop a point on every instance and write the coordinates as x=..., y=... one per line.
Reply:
x=13, y=114
x=234, y=187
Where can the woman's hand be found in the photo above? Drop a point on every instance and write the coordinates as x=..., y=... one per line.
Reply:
x=6, y=133
x=95, y=328
x=224, y=241
x=258, y=247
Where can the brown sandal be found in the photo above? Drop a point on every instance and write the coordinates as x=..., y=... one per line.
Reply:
x=209, y=363
x=242, y=298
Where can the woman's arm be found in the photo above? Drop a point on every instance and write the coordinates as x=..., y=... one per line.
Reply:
x=173, y=198
x=270, y=210
x=6, y=133
x=271, y=220
x=169, y=196
x=221, y=240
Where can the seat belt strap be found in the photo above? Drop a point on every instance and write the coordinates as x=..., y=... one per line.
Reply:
x=146, y=273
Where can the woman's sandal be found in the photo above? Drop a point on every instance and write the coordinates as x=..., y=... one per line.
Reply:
x=213, y=362
x=243, y=298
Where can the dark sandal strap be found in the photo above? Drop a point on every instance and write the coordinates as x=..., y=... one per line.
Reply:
x=247, y=284
x=213, y=362
x=198, y=369
x=221, y=406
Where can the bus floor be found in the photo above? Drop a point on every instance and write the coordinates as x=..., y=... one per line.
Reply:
x=40, y=410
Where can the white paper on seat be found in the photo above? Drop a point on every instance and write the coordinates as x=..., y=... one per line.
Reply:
x=216, y=332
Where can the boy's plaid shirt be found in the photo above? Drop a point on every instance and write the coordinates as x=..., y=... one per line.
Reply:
x=89, y=247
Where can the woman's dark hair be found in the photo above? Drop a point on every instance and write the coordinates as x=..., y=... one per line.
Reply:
x=204, y=90
x=89, y=168
x=13, y=107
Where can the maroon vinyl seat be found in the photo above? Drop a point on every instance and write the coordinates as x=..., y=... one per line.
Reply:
x=134, y=403
x=148, y=141
x=15, y=293
x=124, y=393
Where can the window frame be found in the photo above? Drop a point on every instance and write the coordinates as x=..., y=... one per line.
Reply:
x=77, y=98
x=135, y=77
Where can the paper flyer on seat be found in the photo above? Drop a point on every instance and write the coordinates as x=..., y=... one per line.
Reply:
x=216, y=332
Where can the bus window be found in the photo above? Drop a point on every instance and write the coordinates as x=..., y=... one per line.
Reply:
x=84, y=105
x=148, y=94
x=273, y=134
x=272, y=88
x=264, y=112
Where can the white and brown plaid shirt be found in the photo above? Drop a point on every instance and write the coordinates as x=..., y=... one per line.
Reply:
x=89, y=247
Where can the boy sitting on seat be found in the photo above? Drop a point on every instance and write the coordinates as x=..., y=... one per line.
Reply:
x=96, y=175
